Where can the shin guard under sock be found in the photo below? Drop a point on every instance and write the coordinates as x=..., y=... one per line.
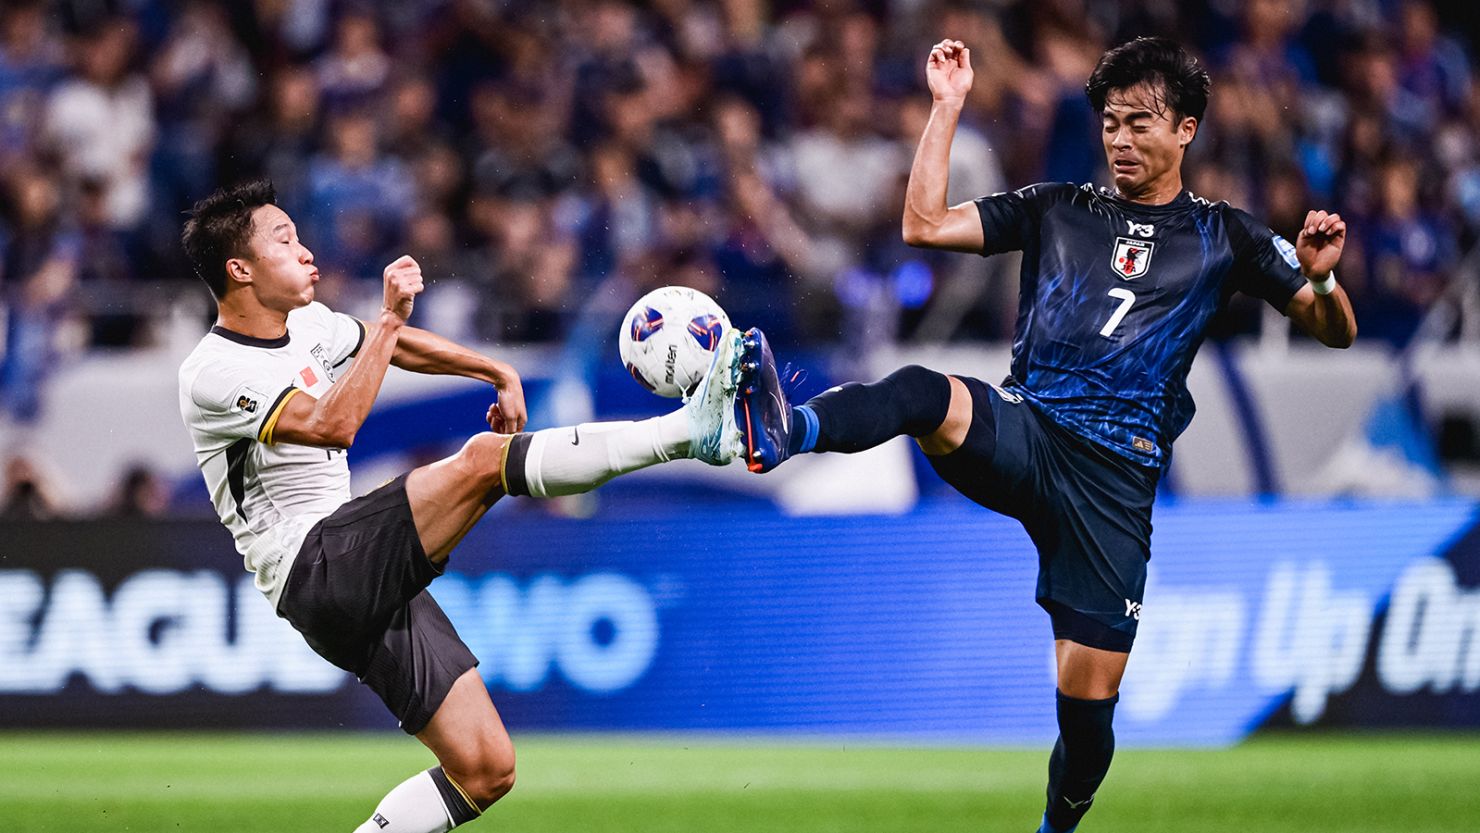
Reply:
x=911, y=401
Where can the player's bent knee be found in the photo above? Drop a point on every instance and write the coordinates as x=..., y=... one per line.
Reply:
x=486, y=776
x=954, y=427
x=491, y=783
x=482, y=459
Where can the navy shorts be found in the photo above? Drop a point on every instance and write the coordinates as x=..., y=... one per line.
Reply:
x=1087, y=509
x=357, y=593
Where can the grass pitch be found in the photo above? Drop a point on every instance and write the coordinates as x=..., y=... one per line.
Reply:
x=77, y=783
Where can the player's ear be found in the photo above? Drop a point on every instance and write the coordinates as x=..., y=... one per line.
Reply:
x=1187, y=131
x=238, y=270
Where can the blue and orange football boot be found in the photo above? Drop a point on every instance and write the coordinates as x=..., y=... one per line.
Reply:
x=762, y=412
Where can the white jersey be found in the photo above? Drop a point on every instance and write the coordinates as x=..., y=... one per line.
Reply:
x=232, y=390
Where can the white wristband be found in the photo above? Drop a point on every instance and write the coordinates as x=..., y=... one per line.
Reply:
x=1324, y=286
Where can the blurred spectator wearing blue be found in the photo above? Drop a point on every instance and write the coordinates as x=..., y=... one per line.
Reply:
x=39, y=257
x=1408, y=252
x=31, y=62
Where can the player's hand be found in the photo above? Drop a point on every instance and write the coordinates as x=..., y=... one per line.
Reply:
x=402, y=285
x=948, y=71
x=1319, y=245
x=508, y=414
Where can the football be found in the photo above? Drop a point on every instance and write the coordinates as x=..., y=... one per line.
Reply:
x=668, y=339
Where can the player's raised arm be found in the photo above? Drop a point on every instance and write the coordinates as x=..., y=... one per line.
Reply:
x=333, y=421
x=1321, y=307
x=422, y=351
x=928, y=221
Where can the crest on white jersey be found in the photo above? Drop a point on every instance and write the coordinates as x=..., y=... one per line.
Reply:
x=1132, y=257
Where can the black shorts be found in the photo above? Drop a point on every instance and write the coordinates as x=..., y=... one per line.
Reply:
x=357, y=593
x=1087, y=509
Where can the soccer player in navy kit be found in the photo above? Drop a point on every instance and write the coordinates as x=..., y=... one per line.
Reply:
x=1117, y=288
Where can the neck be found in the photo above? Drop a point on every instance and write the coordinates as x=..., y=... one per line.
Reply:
x=241, y=312
x=1159, y=191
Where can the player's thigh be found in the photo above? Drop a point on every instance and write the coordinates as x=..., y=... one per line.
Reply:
x=991, y=464
x=952, y=433
x=470, y=741
x=415, y=662
x=1091, y=524
x=355, y=574
x=449, y=495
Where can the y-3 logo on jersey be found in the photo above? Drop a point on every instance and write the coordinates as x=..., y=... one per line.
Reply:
x=1131, y=257
x=1140, y=230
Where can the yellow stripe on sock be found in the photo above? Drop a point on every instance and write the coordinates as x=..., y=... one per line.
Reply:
x=462, y=792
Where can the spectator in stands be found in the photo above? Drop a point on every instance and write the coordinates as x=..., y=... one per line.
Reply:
x=100, y=123
x=31, y=62
x=280, y=142
x=1433, y=68
x=1409, y=253
x=526, y=293
x=140, y=494
x=356, y=68
x=203, y=81
x=25, y=494
x=38, y=272
x=358, y=199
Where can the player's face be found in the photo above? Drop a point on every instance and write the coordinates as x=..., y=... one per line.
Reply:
x=281, y=267
x=1144, y=140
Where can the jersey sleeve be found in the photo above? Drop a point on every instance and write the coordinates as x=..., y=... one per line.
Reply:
x=345, y=333
x=235, y=402
x=1010, y=219
x=1264, y=263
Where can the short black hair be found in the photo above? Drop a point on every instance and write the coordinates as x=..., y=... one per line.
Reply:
x=1161, y=64
x=220, y=226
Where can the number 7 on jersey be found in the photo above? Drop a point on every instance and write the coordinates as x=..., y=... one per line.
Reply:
x=1127, y=298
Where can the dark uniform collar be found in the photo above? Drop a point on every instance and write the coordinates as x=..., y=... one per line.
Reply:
x=251, y=341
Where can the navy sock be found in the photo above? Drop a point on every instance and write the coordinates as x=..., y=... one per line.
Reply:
x=1080, y=759
x=912, y=401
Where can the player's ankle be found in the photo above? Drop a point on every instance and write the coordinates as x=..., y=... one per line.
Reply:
x=804, y=430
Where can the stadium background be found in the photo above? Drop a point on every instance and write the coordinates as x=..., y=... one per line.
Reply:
x=1317, y=570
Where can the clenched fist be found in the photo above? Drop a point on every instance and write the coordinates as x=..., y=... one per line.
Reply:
x=402, y=285
x=1319, y=245
x=948, y=71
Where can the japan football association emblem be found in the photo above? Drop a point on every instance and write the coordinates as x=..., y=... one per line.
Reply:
x=1132, y=257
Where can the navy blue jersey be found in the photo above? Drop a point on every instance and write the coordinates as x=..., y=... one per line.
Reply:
x=1115, y=299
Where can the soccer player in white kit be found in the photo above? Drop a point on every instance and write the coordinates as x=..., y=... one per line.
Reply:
x=272, y=400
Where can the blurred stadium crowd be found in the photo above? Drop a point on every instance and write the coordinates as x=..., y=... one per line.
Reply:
x=528, y=153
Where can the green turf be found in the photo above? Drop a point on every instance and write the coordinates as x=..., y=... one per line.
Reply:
x=283, y=783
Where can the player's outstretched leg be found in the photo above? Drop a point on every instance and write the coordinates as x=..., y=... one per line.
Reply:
x=568, y=461
x=912, y=401
x=448, y=497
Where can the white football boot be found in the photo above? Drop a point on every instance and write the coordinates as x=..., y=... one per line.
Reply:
x=713, y=436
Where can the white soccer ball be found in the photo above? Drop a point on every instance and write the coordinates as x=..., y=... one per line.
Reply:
x=668, y=339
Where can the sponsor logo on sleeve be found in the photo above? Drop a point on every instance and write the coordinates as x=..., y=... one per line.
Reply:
x=1287, y=251
x=248, y=401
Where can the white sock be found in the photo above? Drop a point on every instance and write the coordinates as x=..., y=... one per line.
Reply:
x=569, y=461
x=414, y=806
